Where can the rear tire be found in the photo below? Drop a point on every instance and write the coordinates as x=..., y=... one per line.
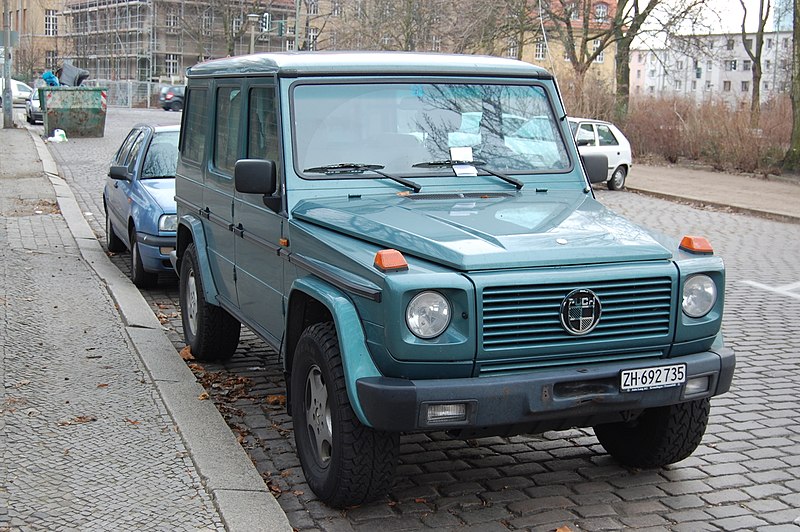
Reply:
x=660, y=436
x=176, y=106
x=210, y=331
x=114, y=243
x=617, y=181
x=344, y=462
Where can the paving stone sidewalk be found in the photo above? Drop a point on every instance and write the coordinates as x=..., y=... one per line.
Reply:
x=85, y=440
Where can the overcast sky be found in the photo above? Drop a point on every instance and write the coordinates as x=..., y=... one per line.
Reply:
x=726, y=15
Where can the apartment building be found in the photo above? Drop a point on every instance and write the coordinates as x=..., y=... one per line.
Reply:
x=713, y=66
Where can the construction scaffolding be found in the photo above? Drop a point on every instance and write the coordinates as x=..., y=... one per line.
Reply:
x=157, y=40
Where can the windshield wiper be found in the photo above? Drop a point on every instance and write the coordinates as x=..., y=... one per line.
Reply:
x=359, y=168
x=449, y=163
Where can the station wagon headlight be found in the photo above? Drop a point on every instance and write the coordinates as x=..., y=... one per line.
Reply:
x=168, y=222
x=428, y=315
x=699, y=296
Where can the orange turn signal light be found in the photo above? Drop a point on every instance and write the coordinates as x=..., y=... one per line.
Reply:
x=283, y=242
x=390, y=260
x=697, y=244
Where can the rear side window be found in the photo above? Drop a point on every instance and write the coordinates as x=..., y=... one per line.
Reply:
x=606, y=136
x=196, y=125
x=226, y=138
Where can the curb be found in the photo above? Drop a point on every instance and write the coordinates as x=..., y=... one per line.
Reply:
x=785, y=218
x=239, y=493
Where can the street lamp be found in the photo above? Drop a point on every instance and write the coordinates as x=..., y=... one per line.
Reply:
x=252, y=19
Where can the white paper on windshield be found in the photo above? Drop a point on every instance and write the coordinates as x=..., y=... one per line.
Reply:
x=463, y=153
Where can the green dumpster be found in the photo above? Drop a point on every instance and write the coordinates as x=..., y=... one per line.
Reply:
x=78, y=111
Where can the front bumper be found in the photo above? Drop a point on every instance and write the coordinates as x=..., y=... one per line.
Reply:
x=150, y=251
x=534, y=402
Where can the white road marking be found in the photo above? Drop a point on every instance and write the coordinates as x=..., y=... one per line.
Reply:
x=784, y=290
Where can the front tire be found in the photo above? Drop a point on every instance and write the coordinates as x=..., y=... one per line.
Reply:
x=210, y=331
x=344, y=462
x=617, y=181
x=140, y=277
x=660, y=436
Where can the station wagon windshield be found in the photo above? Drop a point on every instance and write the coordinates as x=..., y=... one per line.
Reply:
x=402, y=126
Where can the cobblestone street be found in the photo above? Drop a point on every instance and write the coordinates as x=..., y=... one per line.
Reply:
x=744, y=476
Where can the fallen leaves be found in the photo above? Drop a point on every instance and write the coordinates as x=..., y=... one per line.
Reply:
x=279, y=400
x=203, y=396
x=77, y=420
x=186, y=353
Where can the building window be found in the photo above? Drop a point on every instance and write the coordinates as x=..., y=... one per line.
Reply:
x=729, y=44
x=313, y=33
x=786, y=44
x=652, y=73
x=766, y=85
x=336, y=8
x=767, y=64
x=512, y=48
x=50, y=59
x=171, y=62
x=748, y=43
x=436, y=43
x=601, y=56
x=769, y=43
x=709, y=65
x=694, y=84
x=745, y=86
x=746, y=64
x=679, y=65
x=207, y=22
x=50, y=23
x=171, y=21
x=678, y=84
x=540, y=50
x=726, y=86
x=313, y=7
x=708, y=84
x=601, y=13
x=638, y=74
x=730, y=65
x=651, y=89
x=641, y=57
x=360, y=9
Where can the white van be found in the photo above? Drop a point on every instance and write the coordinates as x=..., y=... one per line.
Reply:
x=19, y=90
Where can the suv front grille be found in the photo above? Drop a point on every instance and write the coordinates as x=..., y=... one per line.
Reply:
x=528, y=316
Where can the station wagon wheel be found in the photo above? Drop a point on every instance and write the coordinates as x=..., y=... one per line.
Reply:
x=617, y=181
x=211, y=333
x=140, y=277
x=659, y=436
x=176, y=106
x=114, y=243
x=345, y=463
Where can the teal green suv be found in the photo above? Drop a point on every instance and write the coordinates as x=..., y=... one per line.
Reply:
x=417, y=235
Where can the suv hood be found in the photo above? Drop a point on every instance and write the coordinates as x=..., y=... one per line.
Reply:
x=489, y=231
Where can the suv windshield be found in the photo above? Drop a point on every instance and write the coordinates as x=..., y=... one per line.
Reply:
x=508, y=128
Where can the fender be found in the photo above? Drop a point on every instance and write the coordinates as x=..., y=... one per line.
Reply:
x=195, y=227
x=356, y=360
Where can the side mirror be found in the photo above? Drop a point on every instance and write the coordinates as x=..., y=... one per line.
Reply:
x=255, y=176
x=596, y=167
x=118, y=172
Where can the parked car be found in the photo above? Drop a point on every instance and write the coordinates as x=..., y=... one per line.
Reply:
x=139, y=200
x=19, y=90
x=597, y=136
x=419, y=242
x=33, y=108
x=171, y=98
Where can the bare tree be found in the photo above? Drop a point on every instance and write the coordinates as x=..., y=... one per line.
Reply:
x=791, y=161
x=755, y=57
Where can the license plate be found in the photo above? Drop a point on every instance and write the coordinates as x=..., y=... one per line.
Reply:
x=634, y=380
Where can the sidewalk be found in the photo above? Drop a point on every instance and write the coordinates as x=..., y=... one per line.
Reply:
x=772, y=198
x=101, y=423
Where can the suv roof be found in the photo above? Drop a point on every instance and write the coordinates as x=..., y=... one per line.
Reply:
x=291, y=64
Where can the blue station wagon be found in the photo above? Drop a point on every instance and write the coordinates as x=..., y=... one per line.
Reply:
x=418, y=236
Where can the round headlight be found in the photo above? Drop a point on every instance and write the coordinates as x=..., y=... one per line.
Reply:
x=428, y=315
x=699, y=296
